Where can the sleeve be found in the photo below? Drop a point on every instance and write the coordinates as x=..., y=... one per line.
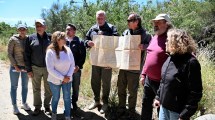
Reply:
x=143, y=70
x=146, y=40
x=195, y=89
x=72, y=65
x=50, y=65
x=82, y=54
x=87, y=38
x=114, y=29
x=27, y=54
x=157, y=97
x=10, y=52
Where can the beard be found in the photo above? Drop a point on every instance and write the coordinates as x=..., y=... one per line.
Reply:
x=159, y=31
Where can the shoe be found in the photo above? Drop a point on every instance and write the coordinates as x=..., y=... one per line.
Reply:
x=94, y=105
x=76, y=113
x=25, y=107
x=104, y=108
x=36, y=112
x=48, y=111
x=15, y=110
x=67, y=118
x=132, y=115
x=121, y=112
x=54, y=116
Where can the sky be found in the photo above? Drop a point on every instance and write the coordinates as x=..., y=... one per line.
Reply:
x=12, y=11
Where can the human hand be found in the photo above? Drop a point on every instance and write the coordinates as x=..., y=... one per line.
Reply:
x=30, y=74
x=142, y=79
x=156, y=103
x=66, y=79
x=17, y=68
x=76, y=69
x=141, y=46
x=90, y=43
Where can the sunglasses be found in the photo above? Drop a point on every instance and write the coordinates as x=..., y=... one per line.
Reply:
x=132, y=20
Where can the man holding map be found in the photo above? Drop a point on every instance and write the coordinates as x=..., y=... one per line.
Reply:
x=100, y=73
x=130, y=78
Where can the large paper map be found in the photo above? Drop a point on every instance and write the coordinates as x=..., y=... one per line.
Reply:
x=116, y=52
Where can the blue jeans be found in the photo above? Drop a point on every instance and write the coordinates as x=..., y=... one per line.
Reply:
x=14, y=79
x=75, y=88
x=66, y=88
x=166, y=114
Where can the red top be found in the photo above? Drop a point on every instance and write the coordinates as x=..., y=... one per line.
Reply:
x=156, y=56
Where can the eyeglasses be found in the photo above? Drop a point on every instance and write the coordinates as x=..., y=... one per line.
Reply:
x=132, y=20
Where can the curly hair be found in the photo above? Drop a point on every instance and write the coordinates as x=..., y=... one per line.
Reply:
x=180, y=42
x=56, y=36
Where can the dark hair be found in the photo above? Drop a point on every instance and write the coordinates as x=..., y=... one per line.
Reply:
x=56, y=36
x=72, y=26
x=136, y=17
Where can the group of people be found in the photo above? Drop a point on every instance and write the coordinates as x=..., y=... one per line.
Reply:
x=170, y=72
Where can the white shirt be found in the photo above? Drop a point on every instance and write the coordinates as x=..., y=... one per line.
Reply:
x=58, y=68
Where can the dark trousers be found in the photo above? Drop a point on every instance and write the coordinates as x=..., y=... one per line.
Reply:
x=75, y=88
x=101, y=76
x=150, y=90
x=130, y=80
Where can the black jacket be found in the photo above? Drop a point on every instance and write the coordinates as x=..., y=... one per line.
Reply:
x=107, y=29
x=181, y=85
x=78, y=49
x=35, y=50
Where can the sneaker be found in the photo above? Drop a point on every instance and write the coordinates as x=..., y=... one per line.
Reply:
x=54, y=116
x=104, y=108
x=25, y=107
x=15, y=110
x=36, y=112
x=67, y=118
x=48, y=111
x=94, y=105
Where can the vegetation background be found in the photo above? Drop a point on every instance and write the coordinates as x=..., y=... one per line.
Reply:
x=197, y=17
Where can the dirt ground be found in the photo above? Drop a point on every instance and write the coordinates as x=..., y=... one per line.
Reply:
x=6, y=112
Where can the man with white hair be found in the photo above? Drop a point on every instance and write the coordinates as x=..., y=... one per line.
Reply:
x=156, y=56
x=100, y=73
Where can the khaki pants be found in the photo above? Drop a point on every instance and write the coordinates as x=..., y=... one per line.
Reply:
x=130, y=80
x=101, y=74
x=40, y=73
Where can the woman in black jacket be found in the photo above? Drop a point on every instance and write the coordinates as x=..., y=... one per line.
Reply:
x=181, y=85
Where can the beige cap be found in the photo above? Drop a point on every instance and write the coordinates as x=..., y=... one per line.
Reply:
x=163, y=17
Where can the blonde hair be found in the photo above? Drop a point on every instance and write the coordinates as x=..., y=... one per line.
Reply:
x=179, y=41
x=56, y=36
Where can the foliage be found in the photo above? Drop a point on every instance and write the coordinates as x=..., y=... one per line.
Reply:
x=208, y=69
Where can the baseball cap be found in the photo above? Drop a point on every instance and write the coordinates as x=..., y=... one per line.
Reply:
x=72, y=25
x=21, y=26
x=41, y=21
x=163, y=17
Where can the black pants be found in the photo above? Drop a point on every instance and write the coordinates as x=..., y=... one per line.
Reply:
x=150, y=90
x=75, y=88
